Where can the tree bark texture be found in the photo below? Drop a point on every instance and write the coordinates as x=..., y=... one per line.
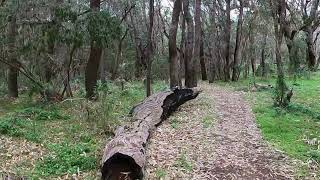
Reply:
x=92, y=67
x=190, y=71
x=237, y=51
x=13, y=71
x=173, y=55
x=227, y=41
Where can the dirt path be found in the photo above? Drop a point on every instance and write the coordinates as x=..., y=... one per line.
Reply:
x=213, y=137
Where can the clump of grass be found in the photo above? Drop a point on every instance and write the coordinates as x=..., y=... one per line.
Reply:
x=174, y=123
x=161, y=173
x=67, y=158
x=184, y=163
x=299, y=108
x=24, y=123
x=207, y=121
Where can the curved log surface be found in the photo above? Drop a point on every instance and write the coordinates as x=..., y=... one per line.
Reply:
x=124, y=156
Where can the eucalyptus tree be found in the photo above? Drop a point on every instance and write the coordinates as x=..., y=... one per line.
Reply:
x=190, y=63
x=173, y=54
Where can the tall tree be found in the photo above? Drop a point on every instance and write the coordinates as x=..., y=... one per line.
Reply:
x=197, y=43
x=227, y=41
x=311, y=23
x=150, y=46
x=202, y=59
x=237, y=51
x=92, y=67
x=212, y=43
x=190, y=71
x=173, y=55
x=263, y=56
x=278, y=10
x=12, y=52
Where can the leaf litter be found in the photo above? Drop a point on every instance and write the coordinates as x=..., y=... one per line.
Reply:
x=230, y=146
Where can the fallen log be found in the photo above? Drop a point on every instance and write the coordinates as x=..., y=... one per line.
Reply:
x=124, y=156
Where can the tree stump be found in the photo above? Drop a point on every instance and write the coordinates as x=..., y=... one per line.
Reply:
x=124, y=156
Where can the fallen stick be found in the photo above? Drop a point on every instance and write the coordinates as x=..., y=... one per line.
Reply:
x=124, y=156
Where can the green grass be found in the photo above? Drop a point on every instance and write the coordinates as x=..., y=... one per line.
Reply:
x=288, y=129
x=72, y=132
x=207, y=121
x=183, y=162
x=161, y=173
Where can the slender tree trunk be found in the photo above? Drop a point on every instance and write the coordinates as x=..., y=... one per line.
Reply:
x=173, y=55
x=53, y=29
x=182, y=49
x=202, y=59
x=190, y=72
x=227, y=41
x=278, y=12
x=197, y=42
x=13, y=72
x=103, y=69
x=237, y=51
x=252, y=53
x=67, y=87
x=92, y=68
x=118, y=59
x=150, y=47
x=311, y=50
x=212, y=70
x=263, y=56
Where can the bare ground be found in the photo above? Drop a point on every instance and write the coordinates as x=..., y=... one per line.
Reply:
x=214, y=137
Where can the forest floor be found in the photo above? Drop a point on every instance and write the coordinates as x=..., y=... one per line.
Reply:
x=215, y=137
x=229, y=132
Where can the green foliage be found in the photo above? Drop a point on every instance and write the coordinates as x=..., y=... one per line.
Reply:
x=207, y=121
x=174, y=123
x=24, y=123
x=161, y=173
x=301, y=109
x=280, y=93
x=103, y=27
x=289, y=129
x=184, y=163
x=67, y=158
x=315, y=155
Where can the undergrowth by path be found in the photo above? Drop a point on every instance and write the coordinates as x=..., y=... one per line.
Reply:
x=294, y=130
x=67, y=138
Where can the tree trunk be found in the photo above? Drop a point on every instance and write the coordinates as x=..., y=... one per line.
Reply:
x=173, y=55
x=197, y=33
x=311, y=50
x=103, y=68
x=92, y=68
x=263, y=57
x=149, y=47
x=212, y=70
x=182, y=49
x=278, y=12
x=13, y=71
x=237, y=51
x=190, y=72
x=118, y=59
x=252, y=53
x=227, y=41
x=202, y=59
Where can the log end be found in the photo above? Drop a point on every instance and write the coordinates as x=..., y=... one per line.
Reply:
x=121, y=166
